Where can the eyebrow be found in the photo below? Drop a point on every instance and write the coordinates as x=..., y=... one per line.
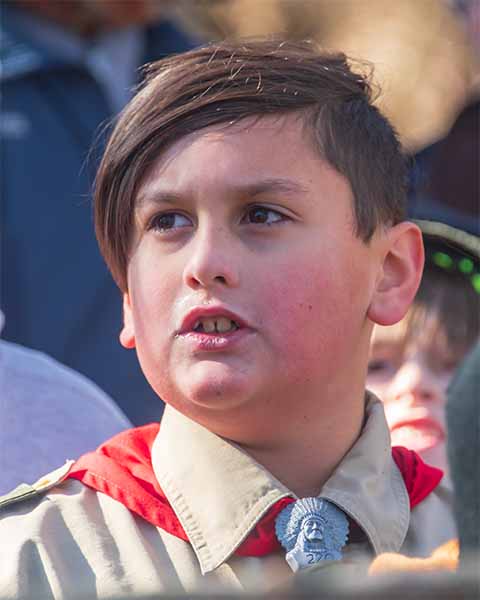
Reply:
x=270, y=185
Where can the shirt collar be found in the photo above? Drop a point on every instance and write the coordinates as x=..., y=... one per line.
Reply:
x=219, y=492
x=368, y=486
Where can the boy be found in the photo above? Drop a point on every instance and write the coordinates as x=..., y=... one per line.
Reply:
x=249, y=206
x=411, y=363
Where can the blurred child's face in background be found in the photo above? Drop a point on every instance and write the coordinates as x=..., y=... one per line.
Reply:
x=248, y=219
x=410, y=373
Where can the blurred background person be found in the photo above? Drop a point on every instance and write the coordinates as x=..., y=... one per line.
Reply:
x=462, y=554
x=67, y=68
x=48, y=414
x=412, y=363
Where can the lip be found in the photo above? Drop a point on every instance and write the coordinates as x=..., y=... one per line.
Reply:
x=198, y=341
x=421, y=423
x=418, y=434
x=203, y=312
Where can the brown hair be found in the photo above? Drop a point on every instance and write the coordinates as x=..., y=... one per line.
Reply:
x=450, y=300
x=445, y=312
x=229, y=81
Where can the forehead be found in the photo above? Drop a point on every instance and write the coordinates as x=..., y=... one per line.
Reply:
x=313, y=519
x=420, y=330
x=233, y=155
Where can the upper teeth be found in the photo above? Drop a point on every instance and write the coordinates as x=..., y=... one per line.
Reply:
x=218, y=324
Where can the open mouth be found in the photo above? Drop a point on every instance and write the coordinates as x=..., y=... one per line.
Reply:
x=213, y=325
x=213, y=329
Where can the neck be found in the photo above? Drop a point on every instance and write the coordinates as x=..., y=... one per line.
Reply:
x=306, y=460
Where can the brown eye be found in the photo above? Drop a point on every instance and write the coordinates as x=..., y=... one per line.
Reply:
x=378, y=366
x=261, y=215
x=169, y=221
x=258, y=215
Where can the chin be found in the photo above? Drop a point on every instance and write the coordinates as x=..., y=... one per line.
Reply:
x=215, y=386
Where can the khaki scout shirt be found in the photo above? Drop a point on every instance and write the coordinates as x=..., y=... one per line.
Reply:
x=76, y=540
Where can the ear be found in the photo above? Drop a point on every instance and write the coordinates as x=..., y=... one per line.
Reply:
x=127, y=335
x=400, y=275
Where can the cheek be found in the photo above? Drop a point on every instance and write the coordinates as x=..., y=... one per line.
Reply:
x=310, y=314
x=152, y=294
x=150, y=303
x=151, y=311
x=395, y=411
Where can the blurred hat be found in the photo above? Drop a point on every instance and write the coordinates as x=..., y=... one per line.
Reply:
x=451, y=249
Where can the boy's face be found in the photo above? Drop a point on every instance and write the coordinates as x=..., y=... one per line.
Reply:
x=412, y=379
x=247, y=288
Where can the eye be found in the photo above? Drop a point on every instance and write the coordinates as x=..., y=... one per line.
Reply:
x=262, y=215
x=446, y=363
x=378, y=366
x=169, y=221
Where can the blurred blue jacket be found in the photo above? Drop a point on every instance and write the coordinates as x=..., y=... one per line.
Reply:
x=56, y=292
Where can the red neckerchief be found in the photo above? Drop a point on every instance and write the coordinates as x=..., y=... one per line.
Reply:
x=122, y=469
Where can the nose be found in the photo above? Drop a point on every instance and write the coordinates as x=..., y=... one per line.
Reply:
x=415, y=383
x=213, y=260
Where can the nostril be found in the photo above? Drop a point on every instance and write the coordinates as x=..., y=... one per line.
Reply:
x=220, y=279
x=416, y=396
x=426, y=394
x=194, y=282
